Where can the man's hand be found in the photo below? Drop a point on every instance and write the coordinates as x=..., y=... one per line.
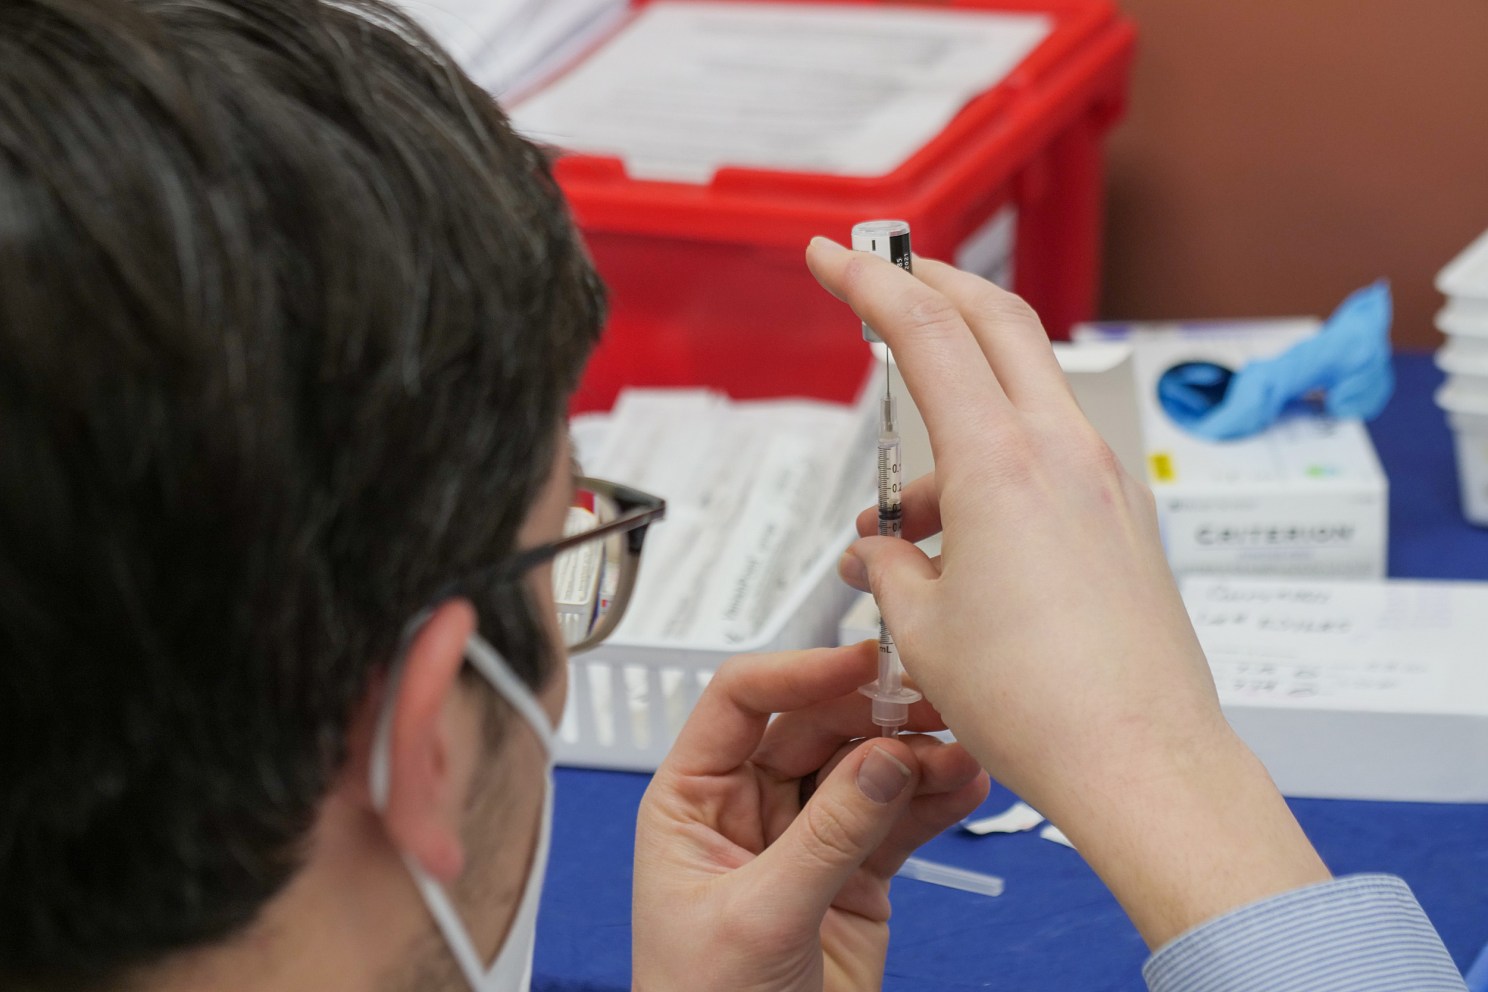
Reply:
x=1050, y=632
x=738, y=884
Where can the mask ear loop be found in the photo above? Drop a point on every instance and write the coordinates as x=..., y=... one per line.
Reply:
x=485, y=658
x=380, y=773
x=495, y=669
x=490, y=664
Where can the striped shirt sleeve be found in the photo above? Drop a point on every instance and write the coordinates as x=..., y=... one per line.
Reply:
x=1360, y=933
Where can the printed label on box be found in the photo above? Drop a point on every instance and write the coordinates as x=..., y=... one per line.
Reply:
x=1306, y=496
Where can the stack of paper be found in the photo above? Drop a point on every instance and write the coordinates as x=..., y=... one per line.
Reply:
x=688, y=87
x=506, y=45
x=756, y=492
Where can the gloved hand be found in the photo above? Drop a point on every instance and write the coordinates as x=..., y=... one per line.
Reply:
x=1349, y=359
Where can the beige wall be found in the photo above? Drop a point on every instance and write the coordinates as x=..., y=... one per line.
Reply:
x=1278, y=154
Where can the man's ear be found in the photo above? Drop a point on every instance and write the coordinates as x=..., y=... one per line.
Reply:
x=427, y=765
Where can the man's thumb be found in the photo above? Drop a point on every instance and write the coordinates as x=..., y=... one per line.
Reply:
x=845, y=820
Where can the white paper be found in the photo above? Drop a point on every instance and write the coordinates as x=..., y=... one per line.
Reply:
x=1353, y=690
x=1053, y=833
x=688, y=87
x=590, y=433
x=1014, y=820
x=756, y=491
x=505, y=44
x=465, y=27
x=1393, y=646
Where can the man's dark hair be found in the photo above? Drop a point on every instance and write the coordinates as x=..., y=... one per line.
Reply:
x=289, y=318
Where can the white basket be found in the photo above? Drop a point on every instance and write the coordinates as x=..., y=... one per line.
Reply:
x=627, y=701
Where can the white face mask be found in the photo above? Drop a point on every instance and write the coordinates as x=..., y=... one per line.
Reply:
x=511, y=971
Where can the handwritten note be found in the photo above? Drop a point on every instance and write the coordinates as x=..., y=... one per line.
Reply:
x=1353, y=690
x=1372, y=645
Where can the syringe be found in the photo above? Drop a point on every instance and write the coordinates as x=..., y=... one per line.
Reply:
x=891, y=698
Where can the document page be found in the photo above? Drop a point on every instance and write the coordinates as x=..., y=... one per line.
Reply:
x=1401, y=646
x=506, y=44
x=687, y=87
x=756, y=492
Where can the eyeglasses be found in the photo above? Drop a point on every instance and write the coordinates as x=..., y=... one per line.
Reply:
x=596, y=562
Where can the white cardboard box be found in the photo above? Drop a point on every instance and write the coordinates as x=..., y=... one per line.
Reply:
x=1100, y=376
x=1353, y=690
x=1305, y=497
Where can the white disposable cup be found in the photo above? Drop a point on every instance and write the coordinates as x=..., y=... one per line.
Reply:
x=1466, y=406
x=1464, y=318
x=1471, y=349
x=1463, y=348
x=1465, y=361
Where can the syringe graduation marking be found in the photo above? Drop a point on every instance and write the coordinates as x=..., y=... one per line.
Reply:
x=890, y=509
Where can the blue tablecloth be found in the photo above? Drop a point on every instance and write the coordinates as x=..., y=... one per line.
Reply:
x=1057, y=927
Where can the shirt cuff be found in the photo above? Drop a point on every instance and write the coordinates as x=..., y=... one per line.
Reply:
x=1361, y=933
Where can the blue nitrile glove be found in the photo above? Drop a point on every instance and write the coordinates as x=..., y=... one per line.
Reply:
x=1189, y=391
x=1349, y=359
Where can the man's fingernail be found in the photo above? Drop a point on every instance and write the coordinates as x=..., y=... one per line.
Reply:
x=882, y=776
x=825, y=244
x=852, y=570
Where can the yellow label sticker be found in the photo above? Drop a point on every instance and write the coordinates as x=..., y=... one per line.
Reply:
x=1162, y=467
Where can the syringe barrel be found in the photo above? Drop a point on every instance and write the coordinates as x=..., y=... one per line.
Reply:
x=888, y=239
x=890, y=471
x=890, y=672
x=890, y=507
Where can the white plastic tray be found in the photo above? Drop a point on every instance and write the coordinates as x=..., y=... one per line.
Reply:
x=627, y=701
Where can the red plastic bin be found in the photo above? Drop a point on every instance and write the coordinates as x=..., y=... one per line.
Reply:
x=707, y=282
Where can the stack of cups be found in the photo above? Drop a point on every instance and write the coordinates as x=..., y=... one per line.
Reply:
x=1464, y=358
